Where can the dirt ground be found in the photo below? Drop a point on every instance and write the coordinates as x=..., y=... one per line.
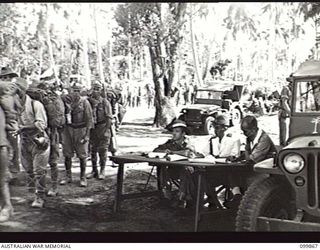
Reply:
x=89, y=209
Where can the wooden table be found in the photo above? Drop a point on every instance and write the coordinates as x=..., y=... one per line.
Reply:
x=201, y=169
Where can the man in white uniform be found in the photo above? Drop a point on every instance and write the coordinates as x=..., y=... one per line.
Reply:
x=225, y=144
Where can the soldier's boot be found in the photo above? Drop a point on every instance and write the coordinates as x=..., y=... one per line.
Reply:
x=83, y=179
x=103, y=161
x=94, y=173
x=38, y=202
x=53, y=191
x=68, y=177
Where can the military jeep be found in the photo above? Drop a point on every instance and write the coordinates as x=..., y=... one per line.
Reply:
x=219, y=98
x=289, y=199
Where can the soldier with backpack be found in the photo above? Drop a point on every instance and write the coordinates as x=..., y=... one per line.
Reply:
x=34, y=142
x=46, y=93
x=76, y=133
x=101, y=133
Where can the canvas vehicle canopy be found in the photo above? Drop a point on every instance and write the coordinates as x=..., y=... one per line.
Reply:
x=308, y=69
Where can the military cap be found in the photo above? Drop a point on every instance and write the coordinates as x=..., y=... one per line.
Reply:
x=48, y=79
x=222, y=120
x=96, y=84
x=6, y=71
x=179, y=123
x=77, y=86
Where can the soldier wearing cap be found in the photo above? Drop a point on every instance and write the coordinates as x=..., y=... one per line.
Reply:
x=76, y=134
x=180, y=145
x=50, y=85
x=100, y=134
x=10, y=104
x=225, y=144
x=34, y=142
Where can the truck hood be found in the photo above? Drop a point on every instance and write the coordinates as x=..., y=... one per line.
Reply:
x=304, y=141
x=203, y=107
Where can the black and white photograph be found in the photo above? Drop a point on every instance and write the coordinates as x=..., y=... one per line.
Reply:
x=159, y=117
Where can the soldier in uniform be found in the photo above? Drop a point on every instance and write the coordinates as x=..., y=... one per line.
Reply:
x=6, y=206
x=284, y=112
x=76, y=134
x=180, y=145
x=10, y=106
x=34, y=141
x=101, y=133
x=54, y=131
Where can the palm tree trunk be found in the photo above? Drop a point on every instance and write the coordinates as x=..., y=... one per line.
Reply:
x=52, y=62
x=317, y=44
x=85, y=49
x=40, y=60
x=194, y=53
x=100, y=65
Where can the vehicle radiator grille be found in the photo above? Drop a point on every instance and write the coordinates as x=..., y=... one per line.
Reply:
x=313, y=160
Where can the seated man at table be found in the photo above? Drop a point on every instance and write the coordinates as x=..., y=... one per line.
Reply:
x=180, y=145
x=259, y=147
x=225, y=144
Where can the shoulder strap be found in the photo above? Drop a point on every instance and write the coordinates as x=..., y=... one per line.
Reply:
x=32, y=106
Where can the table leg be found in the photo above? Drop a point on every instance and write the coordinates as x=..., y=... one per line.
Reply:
x=119, y=188
x=159, y=178
x=199, y=202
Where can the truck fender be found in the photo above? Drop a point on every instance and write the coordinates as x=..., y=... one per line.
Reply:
x=267, y=167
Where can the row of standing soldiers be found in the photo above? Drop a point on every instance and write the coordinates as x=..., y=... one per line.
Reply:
x=43, y=119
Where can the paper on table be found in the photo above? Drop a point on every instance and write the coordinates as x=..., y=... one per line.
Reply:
x=156, y=155
x=175, y=157
x=207, y=159
x=221, y=160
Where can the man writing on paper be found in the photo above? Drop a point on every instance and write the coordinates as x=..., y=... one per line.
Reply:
x=259, y=147
x=180, y=145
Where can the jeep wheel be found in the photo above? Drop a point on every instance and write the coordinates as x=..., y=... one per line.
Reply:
x=208, y=126
x=270, y=197
x=236, y=116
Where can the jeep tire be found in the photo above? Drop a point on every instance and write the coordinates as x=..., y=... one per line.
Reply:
x=270, y=197
x=208, y=126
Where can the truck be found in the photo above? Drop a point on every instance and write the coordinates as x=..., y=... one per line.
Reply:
x=288, y=198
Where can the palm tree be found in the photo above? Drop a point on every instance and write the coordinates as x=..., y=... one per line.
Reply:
x=311, y=10
x=238, y=23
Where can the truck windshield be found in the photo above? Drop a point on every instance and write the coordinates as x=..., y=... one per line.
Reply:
x=206, y=94
x=308, y=97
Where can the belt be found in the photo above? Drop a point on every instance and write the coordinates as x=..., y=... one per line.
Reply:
x=81, y=125
x=102, y=122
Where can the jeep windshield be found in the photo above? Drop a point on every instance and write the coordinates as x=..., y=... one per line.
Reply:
x=307, y=97
x=209, y=94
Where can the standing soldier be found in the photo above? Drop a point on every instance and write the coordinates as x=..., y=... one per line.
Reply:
x=284, y=112
x=150, y=94
x=100, y=134
x=139, y=95
x=6, y=206
x=35, y=147
x=112, y=98
x=56, y=120
x=76, y=134
x=7, y=75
